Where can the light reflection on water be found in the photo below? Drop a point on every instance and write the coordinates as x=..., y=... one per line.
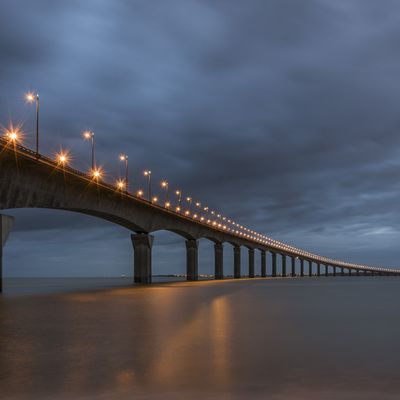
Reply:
x=277, y=339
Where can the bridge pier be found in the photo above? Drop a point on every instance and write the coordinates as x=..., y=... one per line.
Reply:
x=293, y=266
x=309, y=268
x=192, y=265
x=6, y=223
x=251, y=262
x=334, y=270
x=219, y=260
x=273, y=265
x=357, y=272
x=142, y=244
x=301, y=267
x=236, y=262
x=326, y=270
x=349, y=271
x=283, y=264
x=263, y=264
x=318, y=269
x=342, y=271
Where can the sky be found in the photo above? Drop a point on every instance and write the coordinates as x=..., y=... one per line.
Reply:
x=281, y=114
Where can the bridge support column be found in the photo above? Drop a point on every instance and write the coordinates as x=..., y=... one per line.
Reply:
x=342, y=271
x=263, y=264
x=349, y=272
x=236, y=262
x=283, y=264
x=251, y=263
x=301, y=267
x=309, y=268
x=6, y=223
x=334, y=271
x=318, y=269
x=326, y=270
x=273, y=264
x=358, y=272
x=219, y=260
x=142, y=244
x=293, y=272
x=192, y=265
x=365, y=272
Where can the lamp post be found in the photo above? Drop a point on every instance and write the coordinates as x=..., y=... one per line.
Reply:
x=189, y=200
x=89, y=135
x=164, y=185
x=147, y=173
x=124, y=158
x=30, y=98
x=179, y=194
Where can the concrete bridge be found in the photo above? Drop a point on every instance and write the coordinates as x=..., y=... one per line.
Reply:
x=29, y=180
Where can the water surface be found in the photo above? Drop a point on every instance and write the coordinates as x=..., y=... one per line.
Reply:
x=327, y=338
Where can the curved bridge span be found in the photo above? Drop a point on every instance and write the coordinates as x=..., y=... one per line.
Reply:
x=28, y=180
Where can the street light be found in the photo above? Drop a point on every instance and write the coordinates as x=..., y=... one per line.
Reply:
x=12, y=135
x=189, y=200
x=31, y=97
x=179, y=194
x=148, y=174
x=120, y=184
x=97, y=173
x=124, y=157
x=62, y=158
x=89, y=135
x=164, y=185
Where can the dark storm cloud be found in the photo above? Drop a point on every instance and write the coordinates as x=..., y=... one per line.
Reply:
x=282, y=114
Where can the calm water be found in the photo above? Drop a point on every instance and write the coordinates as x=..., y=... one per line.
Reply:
x=327, y=338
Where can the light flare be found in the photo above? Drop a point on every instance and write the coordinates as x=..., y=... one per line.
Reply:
x=97, y=173
x=13, y=133
x=30, y=97
x=88, y=135
x=63, y=157
x=120, y=184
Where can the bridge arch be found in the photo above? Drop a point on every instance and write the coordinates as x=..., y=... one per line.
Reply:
x=178, y=232
x=65, y=244
x=93, y=213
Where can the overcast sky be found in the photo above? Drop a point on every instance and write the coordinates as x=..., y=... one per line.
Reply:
x=283, y=114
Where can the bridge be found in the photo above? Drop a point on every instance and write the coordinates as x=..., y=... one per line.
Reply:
x=31, y=180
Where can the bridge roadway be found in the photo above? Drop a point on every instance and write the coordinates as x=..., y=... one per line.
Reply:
x=31, y=181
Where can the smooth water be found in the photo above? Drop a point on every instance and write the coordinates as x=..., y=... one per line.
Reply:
x=310, y=338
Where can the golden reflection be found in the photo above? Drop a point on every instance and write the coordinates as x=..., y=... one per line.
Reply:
x=220, y=336
x=207, y=331
x=125, y=379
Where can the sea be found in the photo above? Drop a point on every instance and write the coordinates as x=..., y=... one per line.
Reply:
x=283, y=338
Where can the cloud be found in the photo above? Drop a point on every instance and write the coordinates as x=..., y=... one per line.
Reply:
x=280, y=114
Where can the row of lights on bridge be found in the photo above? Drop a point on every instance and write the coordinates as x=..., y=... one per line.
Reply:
x=14, y=135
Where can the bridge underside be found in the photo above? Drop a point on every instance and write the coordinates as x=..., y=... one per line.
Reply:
x=143, y=244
